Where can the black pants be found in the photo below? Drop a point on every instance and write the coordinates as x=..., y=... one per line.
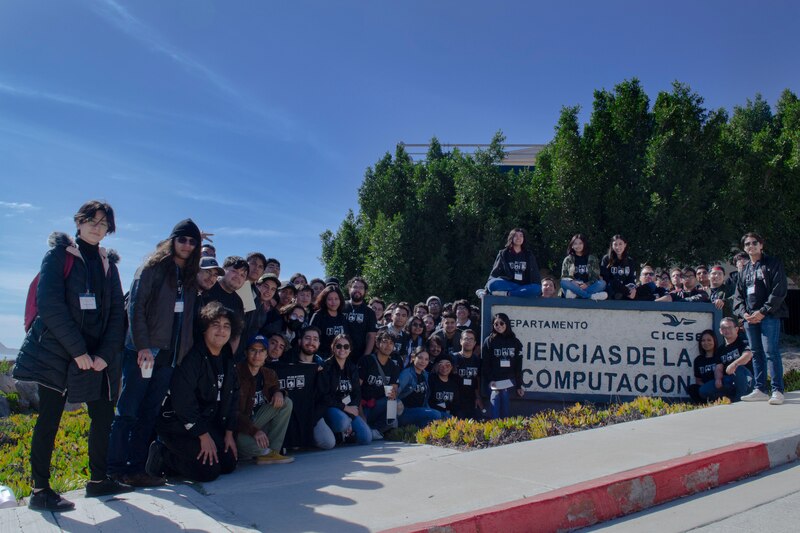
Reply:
x=182, y=449
x=51, y=407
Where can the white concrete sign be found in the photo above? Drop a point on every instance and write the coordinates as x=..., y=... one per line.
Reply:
x=606, y=353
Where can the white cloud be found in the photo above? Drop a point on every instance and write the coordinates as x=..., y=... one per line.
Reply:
x=246, y=232
x=19, y=207
x=62, y=99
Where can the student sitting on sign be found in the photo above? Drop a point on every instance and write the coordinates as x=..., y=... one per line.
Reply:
x=264, y=410
x=708, y=384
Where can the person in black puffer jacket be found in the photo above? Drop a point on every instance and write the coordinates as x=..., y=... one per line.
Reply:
x=73, y=349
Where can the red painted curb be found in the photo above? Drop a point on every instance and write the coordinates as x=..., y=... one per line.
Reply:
x=608, y=497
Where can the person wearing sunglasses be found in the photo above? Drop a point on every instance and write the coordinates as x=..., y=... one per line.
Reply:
x=343, y=394
x=160, y=334
x=415, y=328
x=760, y=301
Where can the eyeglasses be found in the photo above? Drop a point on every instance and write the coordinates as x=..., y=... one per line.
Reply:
x=342, y=346
x=417, y=325
x=186, y=240
x=98, y=223
x=750, y=243
x=648, y=274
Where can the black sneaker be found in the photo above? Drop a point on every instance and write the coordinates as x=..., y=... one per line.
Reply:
x=155, y=460
x=107, y=487
x=48, y=500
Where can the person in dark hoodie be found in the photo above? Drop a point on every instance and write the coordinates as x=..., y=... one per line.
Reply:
x=515, y=271
x=501, y=356
x=161, y=317
x=199, y=417
x=73, y=349
x=618, y=270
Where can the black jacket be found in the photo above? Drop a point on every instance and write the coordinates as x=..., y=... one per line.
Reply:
x=59, y=333
x=151, y=310
x=618, y=276
x=775, y=282
x=332, y=376
x=192, y=401
x=502, y=268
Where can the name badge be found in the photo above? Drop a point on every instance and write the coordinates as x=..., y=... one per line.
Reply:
x=751, y=289
x=88, y=301
x=467, y=381
x=505, y=363
x=346, y=400
x=179, y=306
x=517, y=276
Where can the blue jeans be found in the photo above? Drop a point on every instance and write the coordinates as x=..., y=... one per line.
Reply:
x=135, y=416
x=594, y=288
x=419, y=416
x=340, y=422
x=765, y=337
x=501, y=403
x=741, y=381
x=533, y=290
x=709, y=390
x=376, y=416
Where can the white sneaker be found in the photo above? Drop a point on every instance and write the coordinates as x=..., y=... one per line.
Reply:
x=377, y=435
x=569, y=294
x=480, y=293
x=499, y=293
x=777, y=398
x=757, y=396
x=599, y=296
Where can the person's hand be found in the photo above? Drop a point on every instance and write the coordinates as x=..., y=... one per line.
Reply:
x=351, y=410
x=393, y=393
x=206, y=236
x=719, y=304
x=84, y=361
x=277, y=400
x=756, y=317
x=145, y=356
x=632, y=294
x=230, y=444
x=520, y=392
x=208, y=450
x=99, y=364
x=583, y=286
x=731, y=369
x=479, y=402
x=261, y=439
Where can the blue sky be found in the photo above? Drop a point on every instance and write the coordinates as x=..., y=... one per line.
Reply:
x=258, y=119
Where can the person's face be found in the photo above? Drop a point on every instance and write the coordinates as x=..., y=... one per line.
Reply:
x=449, y=325
x=235, y=277
x=444, y=368
x=332, y=302
x=299, y=280
x=357, y=292
x=93, y=231
x=217, y=334
x=462, y=313
x=304, y=298
x=646, y=276
x=297, y=315
x=267, y=289
x=341, y=348
x=256, y=355
x=618, y=246
x=715, y=278
x=499, y=326
x=689, y=281
x=429, y=323
x=663, y=281
x=676, y=278
x=286, y=296
x=434, y=307
x=753, y=247
x=417, y=326
x=310, y=342
x=548, y=289
x=399, y=317
x=420, y=312
x=317, y=287
x=702, y=276
x=518, y=239
x=421, y=360
x=728, y=330
x=256, y=269
x=378, y=309
x=740, y=263
x=577, y=247
x=386, y=346
x=276, y=347
x=184, y=246
x=206, y=278
x=207, y=251
x=467, y=342
x=434, y=349
x=707, y=343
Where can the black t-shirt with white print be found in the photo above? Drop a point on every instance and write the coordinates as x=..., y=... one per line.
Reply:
x=372, y=382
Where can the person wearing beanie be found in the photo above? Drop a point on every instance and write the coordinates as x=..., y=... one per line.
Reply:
x=160, y=334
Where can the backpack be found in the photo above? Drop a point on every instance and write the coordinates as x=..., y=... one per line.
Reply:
x=31, y=309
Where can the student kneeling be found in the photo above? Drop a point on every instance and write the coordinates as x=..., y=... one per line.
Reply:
x=264, y=410
x=195, y=429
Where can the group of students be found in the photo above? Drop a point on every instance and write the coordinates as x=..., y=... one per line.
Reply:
x=201, y=365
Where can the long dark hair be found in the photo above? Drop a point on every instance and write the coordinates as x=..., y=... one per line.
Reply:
x=613, y=259
x=320, y=304
x=162, y=257
x=582, y=238
x=507, y=321
x=510, y=238
x=700, y=340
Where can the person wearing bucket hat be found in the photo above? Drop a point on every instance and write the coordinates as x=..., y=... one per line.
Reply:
x=160, y=334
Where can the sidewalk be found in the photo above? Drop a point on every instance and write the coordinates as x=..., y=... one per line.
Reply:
x=556, y=483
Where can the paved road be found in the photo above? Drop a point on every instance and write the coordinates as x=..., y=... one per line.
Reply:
x=769, y=502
